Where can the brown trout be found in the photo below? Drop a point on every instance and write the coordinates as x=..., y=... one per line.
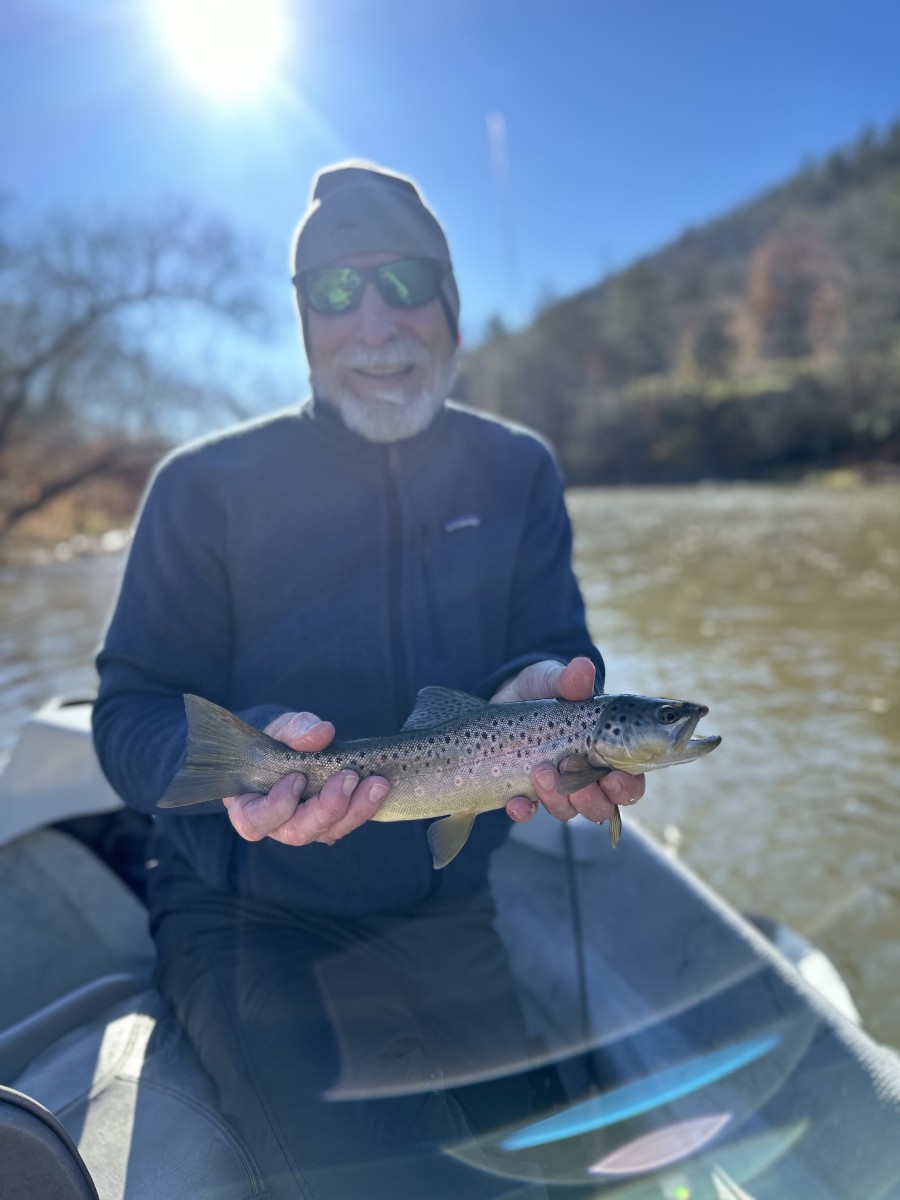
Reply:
x=455, y=757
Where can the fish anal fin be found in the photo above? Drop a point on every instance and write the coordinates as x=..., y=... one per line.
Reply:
x=435, y=705
x=447, y=836
x=578, y=773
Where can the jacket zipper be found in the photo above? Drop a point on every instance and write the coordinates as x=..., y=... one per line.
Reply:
x=437, y=637
x=395, y=588
x=402, y=699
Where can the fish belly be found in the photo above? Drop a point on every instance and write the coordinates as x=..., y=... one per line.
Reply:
x=437, y=790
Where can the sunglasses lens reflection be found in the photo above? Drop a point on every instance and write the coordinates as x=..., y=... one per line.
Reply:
x=334, y=289
x=404, y=283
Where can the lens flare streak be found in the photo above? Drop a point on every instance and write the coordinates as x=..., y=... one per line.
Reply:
x=661, y=1147
x=642, y=1095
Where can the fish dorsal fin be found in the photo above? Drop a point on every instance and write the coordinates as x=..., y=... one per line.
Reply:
x=435, y=705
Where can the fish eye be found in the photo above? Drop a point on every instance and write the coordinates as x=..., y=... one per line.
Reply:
x=667, y=715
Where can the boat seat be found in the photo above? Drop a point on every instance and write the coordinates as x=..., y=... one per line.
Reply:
x=24, y=1041
x=104, y=1081
x=67, y=920
x=38, y=1156
x=130, y=1095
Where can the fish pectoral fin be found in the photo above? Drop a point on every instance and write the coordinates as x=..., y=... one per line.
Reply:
x=578, y=774
x=435, y=705
x=447, y=836
x=615, y=828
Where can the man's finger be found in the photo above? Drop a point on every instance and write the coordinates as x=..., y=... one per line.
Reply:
x=592, y=803
x=365, y=800
x=535, y=682
x=317, y=814
x=255, y=816
x=622, y=788
x=521, y=808
x=545, y=780
x=577, y=680
x=301, y=731
x=548, y=679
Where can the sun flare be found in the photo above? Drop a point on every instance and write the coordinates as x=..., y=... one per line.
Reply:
x=229, y=49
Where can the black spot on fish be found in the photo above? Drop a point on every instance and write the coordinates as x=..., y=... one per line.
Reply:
x=617, y=732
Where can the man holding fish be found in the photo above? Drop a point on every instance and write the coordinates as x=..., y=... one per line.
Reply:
x=335, y=560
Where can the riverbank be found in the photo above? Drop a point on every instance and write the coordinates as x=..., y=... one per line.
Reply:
x=72, y=527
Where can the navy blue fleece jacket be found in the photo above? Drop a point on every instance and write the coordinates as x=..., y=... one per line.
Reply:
x=291, y=565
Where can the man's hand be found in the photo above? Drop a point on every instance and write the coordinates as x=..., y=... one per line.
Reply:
x=544, y=681
x=342, y=805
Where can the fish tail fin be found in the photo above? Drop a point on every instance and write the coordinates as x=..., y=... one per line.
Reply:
x=216, y=741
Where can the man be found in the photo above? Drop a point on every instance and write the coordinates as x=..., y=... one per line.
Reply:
x=333, y=560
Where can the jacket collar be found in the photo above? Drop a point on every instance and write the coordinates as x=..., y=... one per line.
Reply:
x=325, y=422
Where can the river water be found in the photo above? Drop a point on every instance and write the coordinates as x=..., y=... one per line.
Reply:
x=779, y=607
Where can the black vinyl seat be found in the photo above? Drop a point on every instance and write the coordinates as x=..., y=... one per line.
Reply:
x=38, y=1156
x=121, y=1081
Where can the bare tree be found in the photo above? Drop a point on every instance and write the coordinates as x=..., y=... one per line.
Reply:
x=89, y=315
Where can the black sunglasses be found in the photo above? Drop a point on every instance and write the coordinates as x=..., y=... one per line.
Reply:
x=403, y=283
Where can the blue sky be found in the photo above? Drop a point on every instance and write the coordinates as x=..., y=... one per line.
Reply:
x=626, y=121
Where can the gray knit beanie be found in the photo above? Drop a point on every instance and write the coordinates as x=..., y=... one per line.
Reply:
x=359, y=208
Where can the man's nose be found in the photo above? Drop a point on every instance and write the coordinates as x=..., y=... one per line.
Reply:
x=376, y=320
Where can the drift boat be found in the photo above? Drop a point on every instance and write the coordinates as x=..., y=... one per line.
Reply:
x=696, y=1057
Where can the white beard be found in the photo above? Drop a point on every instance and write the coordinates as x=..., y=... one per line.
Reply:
x=390, y=416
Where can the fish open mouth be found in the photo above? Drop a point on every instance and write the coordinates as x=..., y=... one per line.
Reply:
x=703, y=745
x=686, y=742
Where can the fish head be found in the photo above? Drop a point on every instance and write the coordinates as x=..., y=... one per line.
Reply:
x=640, y=733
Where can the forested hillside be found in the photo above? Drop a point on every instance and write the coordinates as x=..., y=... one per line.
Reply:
x=765, y=342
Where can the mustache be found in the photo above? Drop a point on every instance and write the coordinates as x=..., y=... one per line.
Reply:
x=399, y=352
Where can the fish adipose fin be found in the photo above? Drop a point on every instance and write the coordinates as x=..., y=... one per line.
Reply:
x=578, y=774
x=447, y=836
x=216, y=740
x=435, y=705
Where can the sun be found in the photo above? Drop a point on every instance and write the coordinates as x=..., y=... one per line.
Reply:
x=229, y=49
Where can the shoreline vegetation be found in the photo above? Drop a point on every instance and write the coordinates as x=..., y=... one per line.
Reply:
x=74, y=531
x=762, y=346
